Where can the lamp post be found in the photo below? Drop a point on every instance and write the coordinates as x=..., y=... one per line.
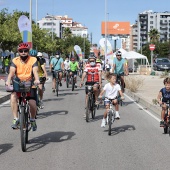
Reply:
x=30, y=15
x=36, y=11
x=105, y=29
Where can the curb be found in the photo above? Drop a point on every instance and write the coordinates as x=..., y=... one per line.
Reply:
x=5, y=98
x=147, y=105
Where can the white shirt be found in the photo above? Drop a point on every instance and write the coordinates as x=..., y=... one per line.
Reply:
x=111, y=91
x=67, y=65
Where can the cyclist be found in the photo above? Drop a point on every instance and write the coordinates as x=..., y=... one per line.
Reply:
x=111, y=89
x=93, y=72
x=163, y=97
x=66, y=66
x=74, y=66
x=25, y=68
x=43, y=76
x=120, y=67
x=107, y=66
x=57, y=64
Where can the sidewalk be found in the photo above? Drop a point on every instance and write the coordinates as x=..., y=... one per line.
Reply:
x=4, y=96
x=148, y=92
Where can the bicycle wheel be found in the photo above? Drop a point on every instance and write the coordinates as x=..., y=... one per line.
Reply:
x=110, y=122
x=27, y=123
x=166, y=129
x=72, y=82
x=93, y=107
x=22, y=120
x=57, y=86
x=67, y=81
x=87, y=109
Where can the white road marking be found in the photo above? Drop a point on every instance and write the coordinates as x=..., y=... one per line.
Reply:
x=3, y=104
x=149, y=113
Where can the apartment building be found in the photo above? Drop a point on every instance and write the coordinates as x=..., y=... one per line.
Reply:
x=56, y=24
x=149, y=20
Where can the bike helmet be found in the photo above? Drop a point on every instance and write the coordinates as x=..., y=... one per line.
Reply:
x=119, y=53
x=33, y=53
x=39, y=54
x=23, y=46
x=92, y=56
x=57, y=53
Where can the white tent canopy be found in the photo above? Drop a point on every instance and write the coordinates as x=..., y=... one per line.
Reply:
x=134, y=55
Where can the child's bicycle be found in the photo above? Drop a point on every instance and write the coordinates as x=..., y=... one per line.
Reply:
x=167, y=119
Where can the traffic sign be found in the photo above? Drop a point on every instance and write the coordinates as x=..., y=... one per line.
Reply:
x=151, y=47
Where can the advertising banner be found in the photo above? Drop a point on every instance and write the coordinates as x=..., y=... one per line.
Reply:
x=25, y=29
x=115, y=28
x=107, y=45
x=78, y=51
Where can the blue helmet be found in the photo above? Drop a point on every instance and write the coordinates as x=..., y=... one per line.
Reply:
x=33, y=53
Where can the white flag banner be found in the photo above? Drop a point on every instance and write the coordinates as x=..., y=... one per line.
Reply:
x=24, y=24
x=78, y=51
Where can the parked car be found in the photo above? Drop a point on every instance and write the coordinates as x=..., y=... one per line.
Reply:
x=161, y=64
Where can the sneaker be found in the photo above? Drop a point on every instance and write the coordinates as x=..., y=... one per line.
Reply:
x=117, y=116
x=41, y=105
x=113, y=119
x=33, y=125
x=15, y=124
x=75, y=85
x=103, y=123
x=161, y=123
x=84, y=115
x=60, y=84
x=53, y=90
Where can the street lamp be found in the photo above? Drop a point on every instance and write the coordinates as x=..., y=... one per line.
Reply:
x=105, y=29
x=30, y=15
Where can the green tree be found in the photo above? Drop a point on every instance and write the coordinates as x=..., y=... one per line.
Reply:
x=154, y=35
x=67, y=33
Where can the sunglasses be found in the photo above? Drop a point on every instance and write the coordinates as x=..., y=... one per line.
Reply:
x=25, y=51
x=118, y=55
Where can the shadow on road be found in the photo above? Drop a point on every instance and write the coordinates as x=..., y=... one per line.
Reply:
x=51, y=113
x=55, y=99
x=5, y=147
x=120, y=129
x=64, y=94
x=41, y=141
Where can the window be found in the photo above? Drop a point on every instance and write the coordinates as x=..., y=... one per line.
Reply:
x=151, y=16
x=151, y=22
x=151, y=27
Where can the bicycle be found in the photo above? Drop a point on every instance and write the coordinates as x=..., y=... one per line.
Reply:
x=22, y=90
x=90, y=103
x=56, y=76
x=67, y=78
x=72, y=80
x=80, y=72
x=118, y=80
x=167, y=119
x=110, y=114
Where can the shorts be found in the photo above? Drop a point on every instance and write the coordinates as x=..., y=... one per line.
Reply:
x=89, y=83
x=74, y=72
x=54, y=73
x=106, y=101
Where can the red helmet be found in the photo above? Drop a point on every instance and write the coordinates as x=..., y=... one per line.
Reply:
x=23, y=46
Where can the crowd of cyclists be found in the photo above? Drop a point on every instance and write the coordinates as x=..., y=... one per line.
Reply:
x=30, y=66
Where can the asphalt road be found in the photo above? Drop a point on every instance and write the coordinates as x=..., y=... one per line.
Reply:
x=64, y=141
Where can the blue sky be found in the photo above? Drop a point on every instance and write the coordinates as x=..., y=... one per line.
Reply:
x=89, y=13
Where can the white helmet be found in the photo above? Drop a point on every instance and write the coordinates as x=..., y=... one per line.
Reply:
x=39, y=54
x=119, y=53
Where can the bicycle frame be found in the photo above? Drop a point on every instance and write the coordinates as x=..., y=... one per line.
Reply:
x=166, y=119
x=23, y=110
x=56, y=73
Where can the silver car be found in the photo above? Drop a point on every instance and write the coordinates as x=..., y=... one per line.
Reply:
x=161, y=64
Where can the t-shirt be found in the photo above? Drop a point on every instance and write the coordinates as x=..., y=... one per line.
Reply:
x=41, y=62
x=67, y=65
x=165, y=94
x=24, y=69
x=73, y=66
x=119, y=68
x=111, y=91
x=58, y=65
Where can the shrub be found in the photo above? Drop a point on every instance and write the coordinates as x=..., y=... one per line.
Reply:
x=133, y=83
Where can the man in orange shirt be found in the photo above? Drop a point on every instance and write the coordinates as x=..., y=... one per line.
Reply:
x=24, y=67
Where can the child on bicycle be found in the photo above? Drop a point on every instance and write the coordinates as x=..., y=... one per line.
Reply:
x=112, y=89
x=163, y=98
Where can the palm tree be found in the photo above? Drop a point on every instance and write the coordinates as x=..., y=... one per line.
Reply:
x=154, y=35
x=67, y=33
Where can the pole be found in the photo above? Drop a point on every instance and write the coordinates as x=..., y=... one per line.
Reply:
x=36, y=11
x=105, y=30
x=30, y=15
x=84, y=44
x=151, y=61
